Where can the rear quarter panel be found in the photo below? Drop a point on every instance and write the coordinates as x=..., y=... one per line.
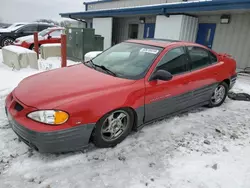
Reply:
x=229, y=65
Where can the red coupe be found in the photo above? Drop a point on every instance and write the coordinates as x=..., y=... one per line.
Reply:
x=120, y=90
x=48, y=36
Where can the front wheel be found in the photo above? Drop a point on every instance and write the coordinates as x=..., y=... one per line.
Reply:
x=113, y=128
x=219, y=95
x=7, y=41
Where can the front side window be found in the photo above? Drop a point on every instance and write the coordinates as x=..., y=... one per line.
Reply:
x=174, y=61
x=199, y=57
x=56, y=34
x=128, y=60
x=28, y=29
x=44, y=32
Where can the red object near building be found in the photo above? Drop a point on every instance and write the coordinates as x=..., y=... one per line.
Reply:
x=122, y=89
x=64, y=50
x=48, y=36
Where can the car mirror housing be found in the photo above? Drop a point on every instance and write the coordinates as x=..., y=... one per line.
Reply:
x=161, y=75
x=49, y=37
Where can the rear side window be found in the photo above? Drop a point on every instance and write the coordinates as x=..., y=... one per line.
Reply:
x=174, y=61
x=199, y=57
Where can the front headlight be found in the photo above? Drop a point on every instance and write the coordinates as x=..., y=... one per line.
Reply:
x=52, y=117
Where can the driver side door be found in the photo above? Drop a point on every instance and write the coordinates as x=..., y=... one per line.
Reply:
x=166, y=97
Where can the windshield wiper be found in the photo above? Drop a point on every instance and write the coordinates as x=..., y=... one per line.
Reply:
x=105, y=69
x=101, y=67
x=90, y=62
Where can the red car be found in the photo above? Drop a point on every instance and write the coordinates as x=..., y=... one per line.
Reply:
x=120, y=90
x=47, y=36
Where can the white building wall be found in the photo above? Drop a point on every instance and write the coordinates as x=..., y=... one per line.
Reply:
x=189, y=28
x=176, y=27
x=127, y=3
x=168, y=27
x=103, y=27
x=232, y=38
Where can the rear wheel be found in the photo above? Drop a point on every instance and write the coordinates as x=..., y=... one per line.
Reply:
x=219, y=95
x=32, y=47
x=7, y=41
x=113, y=128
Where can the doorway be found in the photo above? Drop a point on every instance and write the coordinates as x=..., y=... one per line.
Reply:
x=133, y=31
x=205, y=34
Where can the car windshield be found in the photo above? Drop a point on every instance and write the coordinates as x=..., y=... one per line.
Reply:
x=43, y=32
x=128, y=60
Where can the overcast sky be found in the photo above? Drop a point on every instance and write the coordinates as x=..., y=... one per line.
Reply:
x=30, y=10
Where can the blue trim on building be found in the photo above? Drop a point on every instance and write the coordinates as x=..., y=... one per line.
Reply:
x=96, y=2
x=162, y=9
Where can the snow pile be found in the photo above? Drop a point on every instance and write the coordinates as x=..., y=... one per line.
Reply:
x=90, y=55
x=54, y=44
x=53, y=63
x=205, y=148
x=18, y=49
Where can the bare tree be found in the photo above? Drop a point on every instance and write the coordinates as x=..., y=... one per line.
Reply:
x=49, y=21
x=65, y=23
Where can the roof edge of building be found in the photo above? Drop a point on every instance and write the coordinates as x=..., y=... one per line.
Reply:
x=166, y=8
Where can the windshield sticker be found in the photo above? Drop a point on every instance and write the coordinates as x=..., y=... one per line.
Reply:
x=147, y=50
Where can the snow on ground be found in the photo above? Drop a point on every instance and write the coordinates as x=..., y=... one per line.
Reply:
x=205, y=148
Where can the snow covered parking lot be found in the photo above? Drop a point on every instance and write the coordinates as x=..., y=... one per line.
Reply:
x=205, y=148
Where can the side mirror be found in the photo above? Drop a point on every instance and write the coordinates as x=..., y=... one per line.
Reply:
x=161, y=75
x=49, y=37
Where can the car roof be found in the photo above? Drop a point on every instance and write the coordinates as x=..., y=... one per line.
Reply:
x=163, y=42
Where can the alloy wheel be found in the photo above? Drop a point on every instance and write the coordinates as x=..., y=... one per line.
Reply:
x=218, y=95
x=115, y=125
x=8, y=42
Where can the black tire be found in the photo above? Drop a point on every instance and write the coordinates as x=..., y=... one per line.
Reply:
x=7, y=41
x=213, y=104
x=32, y=47
x=97, y=137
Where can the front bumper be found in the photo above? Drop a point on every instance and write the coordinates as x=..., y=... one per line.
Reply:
x=23, y=44
x=71, y=139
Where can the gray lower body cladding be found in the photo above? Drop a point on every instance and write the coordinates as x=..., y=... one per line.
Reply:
x=175, y=105
x=179, y=103
x=57, y=141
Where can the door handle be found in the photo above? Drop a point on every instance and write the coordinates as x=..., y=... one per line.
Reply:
x=215, y=73
x=186, y=82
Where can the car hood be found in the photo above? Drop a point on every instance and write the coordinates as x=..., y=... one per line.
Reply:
x=53, y=88
x=9, y=29
x=29, y=38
